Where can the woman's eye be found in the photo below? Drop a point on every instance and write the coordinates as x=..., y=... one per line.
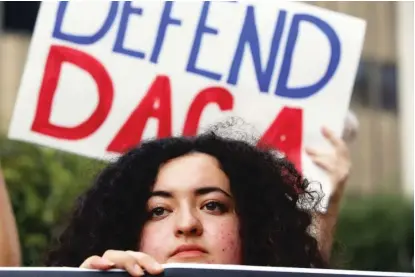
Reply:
x=158, y=212
x=215, y=206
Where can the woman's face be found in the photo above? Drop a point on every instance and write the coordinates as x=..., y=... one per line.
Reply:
x=192, y=214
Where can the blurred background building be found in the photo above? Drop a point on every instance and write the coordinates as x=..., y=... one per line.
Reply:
x=382, y=99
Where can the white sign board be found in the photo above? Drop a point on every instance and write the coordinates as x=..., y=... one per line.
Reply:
x=102, y=76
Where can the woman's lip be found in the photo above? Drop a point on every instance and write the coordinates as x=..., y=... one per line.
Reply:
x=189, y=250
x=189, y=254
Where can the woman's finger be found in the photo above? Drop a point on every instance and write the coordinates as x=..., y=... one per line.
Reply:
x=314, y=152
x=147, y=262
x=96, y=262
x=324, y=162
x=329, y=135
x=123, y=260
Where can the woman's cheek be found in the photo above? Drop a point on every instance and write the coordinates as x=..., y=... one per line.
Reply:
x=226, y=241
x=154, y=242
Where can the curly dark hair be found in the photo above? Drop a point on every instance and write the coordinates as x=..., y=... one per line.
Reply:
x=268, y=192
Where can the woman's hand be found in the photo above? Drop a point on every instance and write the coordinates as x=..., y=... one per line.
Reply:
x=135, y=263
x=337, y=163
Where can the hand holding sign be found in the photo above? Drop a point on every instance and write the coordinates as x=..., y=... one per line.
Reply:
x=135, y=263
x=336, y=163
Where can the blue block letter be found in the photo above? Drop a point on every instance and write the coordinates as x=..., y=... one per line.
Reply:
x=249, y=37
x=166, y=19
x=118, y=46
x=201, y=29
x=58, y=34
x=303, y=92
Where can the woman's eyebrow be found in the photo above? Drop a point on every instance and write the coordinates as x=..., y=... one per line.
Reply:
x=161, y=193
x=206, y=190
x=198, y=192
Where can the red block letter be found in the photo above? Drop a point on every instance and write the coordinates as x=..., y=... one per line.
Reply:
x=285, y=134
x=156, y=103
x=217, y=95
x=57, y=56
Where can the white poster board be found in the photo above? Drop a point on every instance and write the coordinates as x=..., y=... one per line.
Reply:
x=102, y=76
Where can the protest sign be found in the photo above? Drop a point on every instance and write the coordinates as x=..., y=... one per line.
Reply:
x=102, y=76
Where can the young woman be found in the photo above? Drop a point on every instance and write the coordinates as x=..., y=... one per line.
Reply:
x=206, y=199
